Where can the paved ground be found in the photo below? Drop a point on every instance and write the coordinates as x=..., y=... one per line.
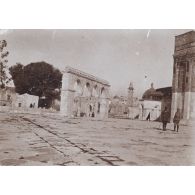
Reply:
x=52, y=140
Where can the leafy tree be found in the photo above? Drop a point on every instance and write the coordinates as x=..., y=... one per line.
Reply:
x=4, y=78
x=40, y=79
x=17, y=73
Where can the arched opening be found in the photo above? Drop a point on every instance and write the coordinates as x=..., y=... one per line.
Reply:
x=91, y=110
x=86, y=91
x=78, y=88
x=95, y=91
x=103, y=92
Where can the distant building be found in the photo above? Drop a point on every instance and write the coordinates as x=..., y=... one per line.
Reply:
x=151, y=104
x=152, y=94
x=154, y=102
x=125, y=106
x=9, y=98
x=26, y=101
x=118, y=107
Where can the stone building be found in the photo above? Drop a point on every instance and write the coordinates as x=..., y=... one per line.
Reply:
x=151, y=104
x=183, y=92
x=118, y=107
x=154, y=102
x=26, y=101
x=9, y=98
x=84, y=95
x=7, y=95
x=166, y=99
x=125, y=106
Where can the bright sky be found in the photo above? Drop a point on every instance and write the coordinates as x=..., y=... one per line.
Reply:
x=118, y=56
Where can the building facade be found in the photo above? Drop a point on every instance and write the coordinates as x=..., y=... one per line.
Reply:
x=9, y=98
x=154, y=102
x=151, y=104
x=183, y=86
x=84, y=95
x=26, y=101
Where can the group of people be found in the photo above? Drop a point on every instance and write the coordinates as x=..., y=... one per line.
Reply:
x=165, y=119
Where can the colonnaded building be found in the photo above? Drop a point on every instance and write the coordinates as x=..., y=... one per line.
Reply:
x=84, y=95
x=183, y=88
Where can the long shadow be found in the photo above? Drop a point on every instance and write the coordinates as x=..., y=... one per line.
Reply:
x=160, y=129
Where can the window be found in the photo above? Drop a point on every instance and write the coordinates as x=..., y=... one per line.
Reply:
x=19, y=104
x=186, y=79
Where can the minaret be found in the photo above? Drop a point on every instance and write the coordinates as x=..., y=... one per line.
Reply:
x=152, y=85
x=130, y=94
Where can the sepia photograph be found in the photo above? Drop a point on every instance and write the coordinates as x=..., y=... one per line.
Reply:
x=97, y=97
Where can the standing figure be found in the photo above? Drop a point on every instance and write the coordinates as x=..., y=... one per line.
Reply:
x=176, y=120
x=148, y=117
x=165, y=118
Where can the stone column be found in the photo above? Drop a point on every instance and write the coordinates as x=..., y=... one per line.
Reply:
x=192, y=104
x=104, y=104
x=104, y=107
x=174, y=92
x=67, y=94
x=187, y=97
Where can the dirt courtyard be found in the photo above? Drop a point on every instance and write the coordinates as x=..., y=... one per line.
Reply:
x=27, y=139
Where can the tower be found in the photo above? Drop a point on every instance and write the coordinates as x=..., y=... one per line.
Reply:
x=130, y=94
x=183, y=86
